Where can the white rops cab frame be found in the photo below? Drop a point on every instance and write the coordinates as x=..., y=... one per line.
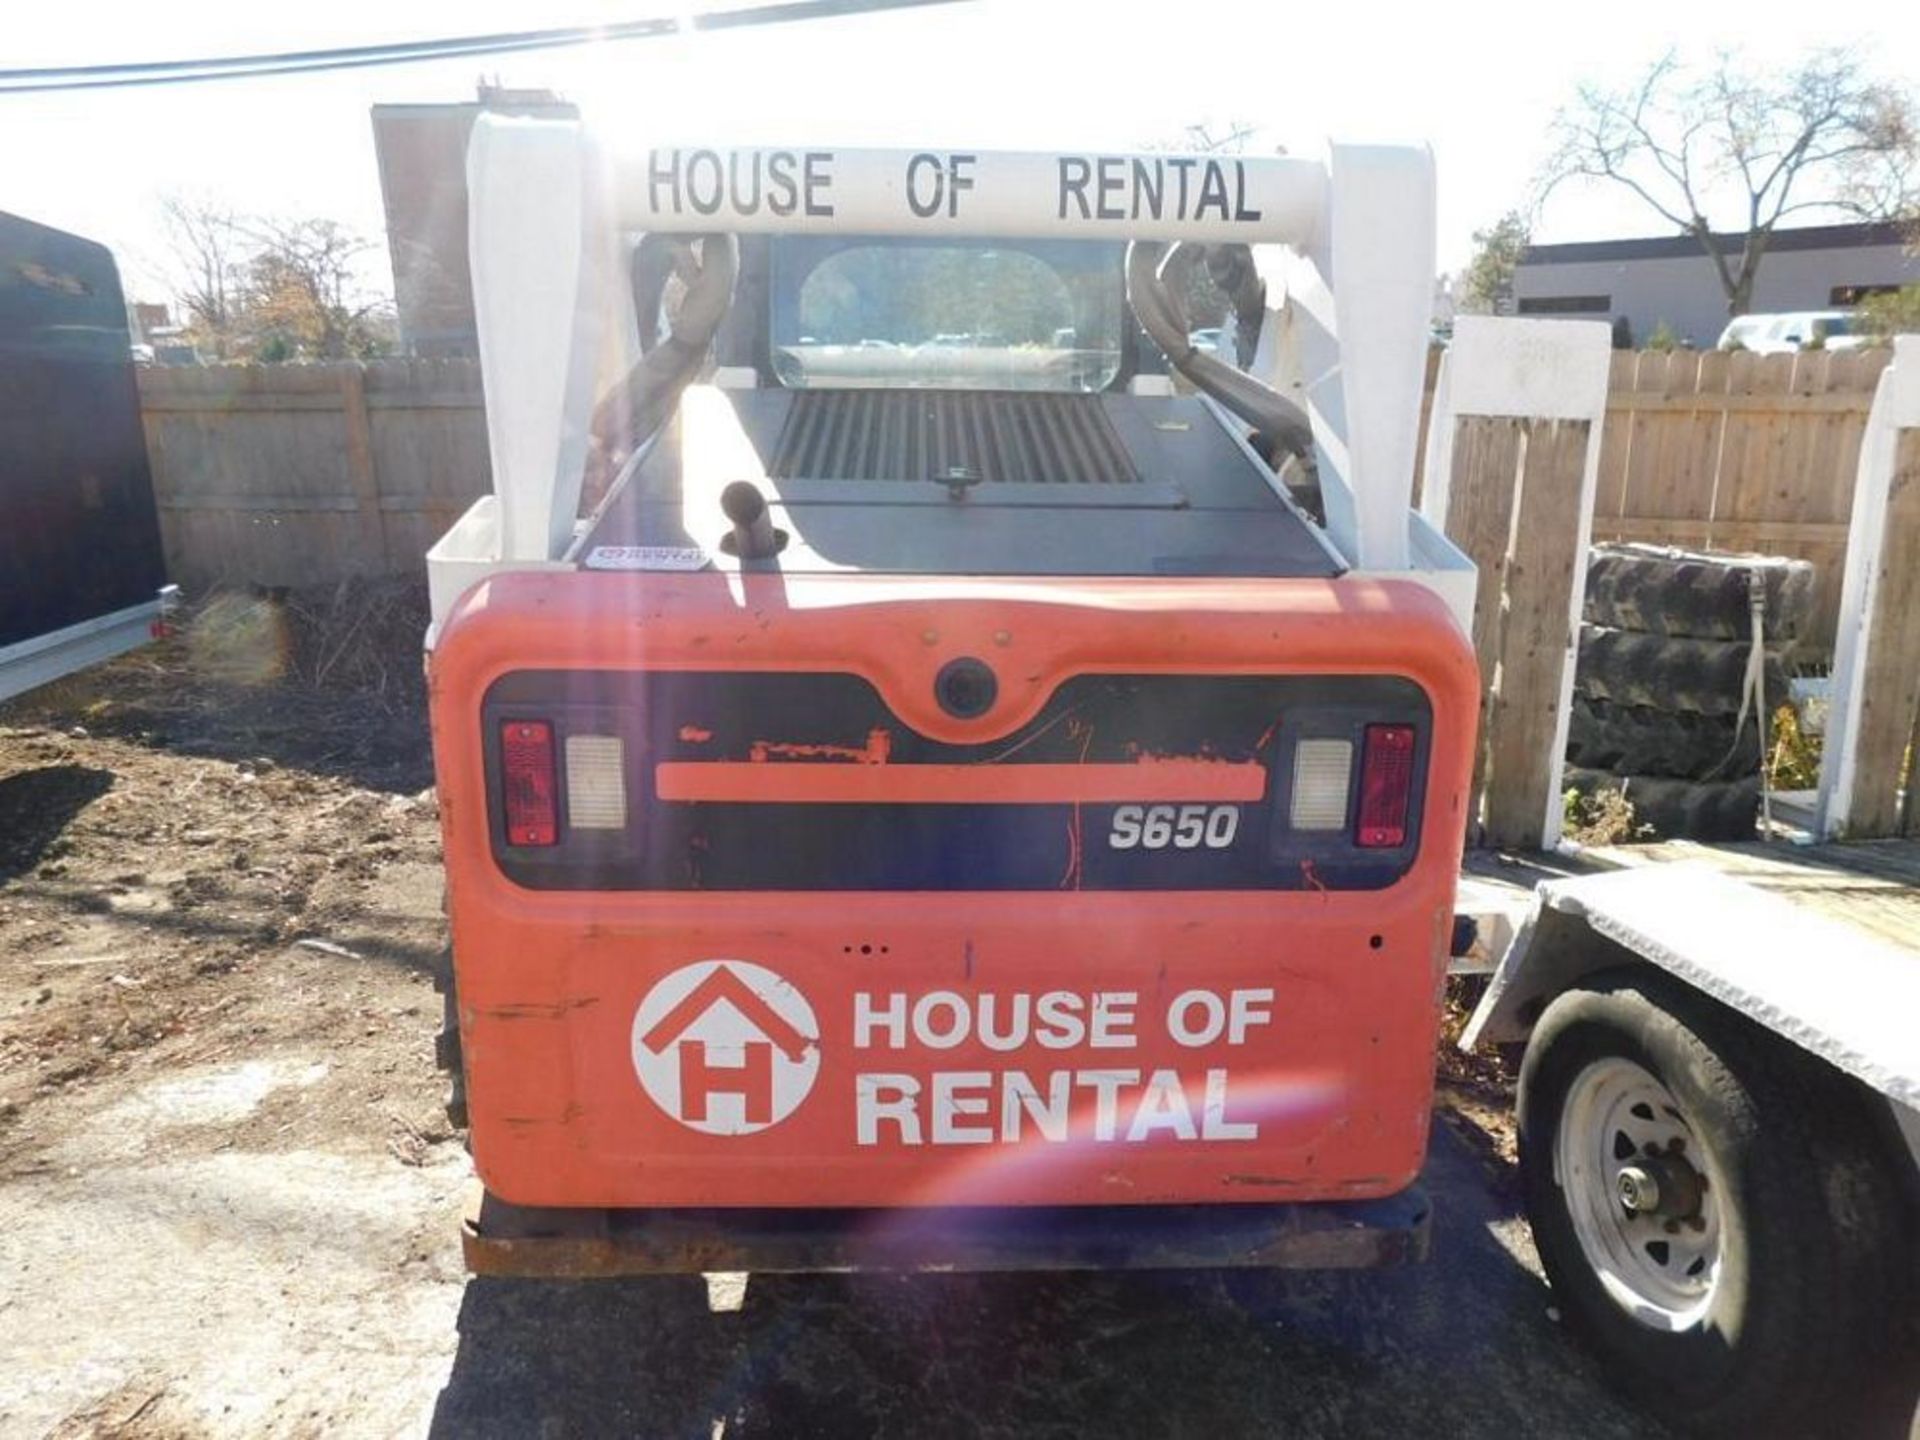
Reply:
x=1345, y=249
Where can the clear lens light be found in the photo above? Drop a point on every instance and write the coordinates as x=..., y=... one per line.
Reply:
x=1321, y=772
x=596, y=782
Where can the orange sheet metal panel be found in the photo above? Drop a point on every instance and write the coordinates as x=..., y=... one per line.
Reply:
x=1144, y=781
x=631, y=1048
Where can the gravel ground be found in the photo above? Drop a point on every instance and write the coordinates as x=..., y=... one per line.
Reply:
x=228, y=1194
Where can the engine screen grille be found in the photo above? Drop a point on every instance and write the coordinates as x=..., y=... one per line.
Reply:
x=925, y=435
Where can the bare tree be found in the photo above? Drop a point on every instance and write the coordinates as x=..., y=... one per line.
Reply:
x=208, y=245
x=271, y=289
x=303, y=295
x=1207, y=137
x=1825, y=136
x=1203, y=139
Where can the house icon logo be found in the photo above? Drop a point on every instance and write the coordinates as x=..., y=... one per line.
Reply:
x=726, y=1047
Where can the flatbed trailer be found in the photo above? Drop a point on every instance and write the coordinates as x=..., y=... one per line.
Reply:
x=1719, y=1123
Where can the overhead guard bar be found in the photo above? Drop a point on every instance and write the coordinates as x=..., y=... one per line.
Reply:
x=1016, y=194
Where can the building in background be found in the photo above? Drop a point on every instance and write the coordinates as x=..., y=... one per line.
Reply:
x=156, y=338
x=422, y=154
x=1670, y=279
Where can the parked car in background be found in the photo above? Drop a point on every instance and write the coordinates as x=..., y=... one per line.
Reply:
x=1795, y=330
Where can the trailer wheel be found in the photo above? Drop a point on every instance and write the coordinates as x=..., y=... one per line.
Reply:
x=1709, y=1207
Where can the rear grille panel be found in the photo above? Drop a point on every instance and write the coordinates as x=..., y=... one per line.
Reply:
x=1014, y=438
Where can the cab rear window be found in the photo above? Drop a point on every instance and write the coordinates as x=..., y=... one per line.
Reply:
x=967, y=315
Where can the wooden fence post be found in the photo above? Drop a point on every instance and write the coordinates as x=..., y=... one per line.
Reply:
x=1876, y=674
x=1512, y=465
x=360, y=471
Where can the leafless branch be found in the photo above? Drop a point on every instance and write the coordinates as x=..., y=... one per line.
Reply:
x=1823, y=137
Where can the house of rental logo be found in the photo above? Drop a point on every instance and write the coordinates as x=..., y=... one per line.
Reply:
x=727, y=1047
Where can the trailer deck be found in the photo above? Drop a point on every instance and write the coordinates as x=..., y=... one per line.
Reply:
x=1872, y=885
x=1819, y=943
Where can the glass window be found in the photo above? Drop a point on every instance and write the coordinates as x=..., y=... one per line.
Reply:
x=964, y=315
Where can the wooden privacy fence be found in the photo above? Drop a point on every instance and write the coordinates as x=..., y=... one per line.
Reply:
x=1510, y=463
x=1809, y=455
x=306, y=474
x=1515, y=510
x=1739, y=452
x=301, y=475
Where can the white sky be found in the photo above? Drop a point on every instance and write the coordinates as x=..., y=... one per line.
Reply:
x=1478, y=82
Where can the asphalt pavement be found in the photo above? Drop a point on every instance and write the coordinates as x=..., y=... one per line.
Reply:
x=1465, y=1345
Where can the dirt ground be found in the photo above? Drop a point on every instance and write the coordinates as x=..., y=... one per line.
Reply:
x=228, y=1190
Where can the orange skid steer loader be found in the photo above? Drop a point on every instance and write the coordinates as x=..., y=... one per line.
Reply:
x=984, y=784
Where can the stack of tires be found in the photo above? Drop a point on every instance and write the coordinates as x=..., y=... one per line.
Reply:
x=1660, y=707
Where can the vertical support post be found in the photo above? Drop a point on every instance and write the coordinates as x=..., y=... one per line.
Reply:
x=536, y=251
x=1383, y=266
x=1351, y=343
x=1513, y=457
x=1876, y=671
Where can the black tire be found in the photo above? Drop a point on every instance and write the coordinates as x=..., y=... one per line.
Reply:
x=1705, y=677
x=1800, y=1335
x=447, y=1054
x=1636, y=740
x=1690, y=594
x=1681, y=809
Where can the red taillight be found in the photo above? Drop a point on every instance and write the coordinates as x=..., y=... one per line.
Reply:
x=1386, y=785
x=526, y=762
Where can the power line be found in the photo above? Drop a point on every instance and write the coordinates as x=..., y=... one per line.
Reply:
x=298, y=62
x=186, y=72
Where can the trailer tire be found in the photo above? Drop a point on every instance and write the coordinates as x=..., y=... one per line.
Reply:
x=1787, y=1329
x=1638, y=740
x=1707, y=677
x=1685, y=593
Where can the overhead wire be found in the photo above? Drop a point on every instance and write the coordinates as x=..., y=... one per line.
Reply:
x=122, y=75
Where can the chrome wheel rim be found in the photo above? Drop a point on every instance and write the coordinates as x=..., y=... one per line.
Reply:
x=1642, y=1194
